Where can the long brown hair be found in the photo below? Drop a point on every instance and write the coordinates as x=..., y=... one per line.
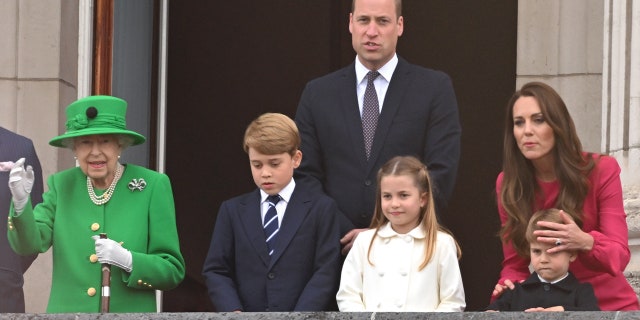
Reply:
x=519, y=186
x=411, y=167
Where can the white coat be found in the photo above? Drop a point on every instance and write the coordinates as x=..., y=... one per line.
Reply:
x=393, y=283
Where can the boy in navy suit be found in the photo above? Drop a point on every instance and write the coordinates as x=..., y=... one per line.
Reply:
x=551, y=287
x=276, y=248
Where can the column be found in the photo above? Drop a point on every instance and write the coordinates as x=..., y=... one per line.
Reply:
x=621, y=111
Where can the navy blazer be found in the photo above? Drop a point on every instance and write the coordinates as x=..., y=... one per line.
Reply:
x=532, y=293
x=13, y=266
x=419, y=117
x=302, y=274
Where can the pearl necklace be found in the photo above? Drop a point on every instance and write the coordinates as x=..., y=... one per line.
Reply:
x=104, y=198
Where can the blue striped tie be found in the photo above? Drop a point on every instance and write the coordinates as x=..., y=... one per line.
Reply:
x=270, y=225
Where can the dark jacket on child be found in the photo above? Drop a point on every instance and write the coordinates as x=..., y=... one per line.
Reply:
x=301, y=275
x=532, y=293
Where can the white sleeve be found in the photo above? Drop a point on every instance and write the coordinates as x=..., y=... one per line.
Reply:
x=449, y=277
x=350, y=296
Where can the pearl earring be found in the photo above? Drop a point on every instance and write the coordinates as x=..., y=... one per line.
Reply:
x=118, y=157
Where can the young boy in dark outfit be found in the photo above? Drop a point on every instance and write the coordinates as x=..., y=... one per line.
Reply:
x=551, y=287
x=276, y=248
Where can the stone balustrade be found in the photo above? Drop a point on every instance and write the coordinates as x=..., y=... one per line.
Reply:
x=604, y=315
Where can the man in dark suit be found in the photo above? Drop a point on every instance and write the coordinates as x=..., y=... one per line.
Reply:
x=418, y=115
x=276, y=248
x=13, y=266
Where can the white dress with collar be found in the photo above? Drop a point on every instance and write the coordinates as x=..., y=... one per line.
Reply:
x=393, y=283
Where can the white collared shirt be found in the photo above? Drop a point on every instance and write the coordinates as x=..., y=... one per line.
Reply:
x=554, y=281
x=281, y=207
x=381, y=82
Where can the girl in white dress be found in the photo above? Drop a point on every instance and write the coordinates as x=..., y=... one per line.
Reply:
x=406, y=261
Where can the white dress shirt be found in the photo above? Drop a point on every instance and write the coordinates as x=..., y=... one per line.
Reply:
x=281, y=207
x=381, y=82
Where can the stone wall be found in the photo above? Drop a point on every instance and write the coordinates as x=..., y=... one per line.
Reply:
x=587, y=49
x=336, y=316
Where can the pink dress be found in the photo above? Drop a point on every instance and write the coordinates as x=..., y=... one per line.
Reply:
x=605, y=220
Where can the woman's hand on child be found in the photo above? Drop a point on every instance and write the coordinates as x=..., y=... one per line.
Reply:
x=499, y=289
x=564, y=236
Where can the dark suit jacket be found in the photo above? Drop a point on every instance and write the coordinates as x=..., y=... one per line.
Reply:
x=532, y=293
x=303, y=273
x=12, y=266
x=419, y=117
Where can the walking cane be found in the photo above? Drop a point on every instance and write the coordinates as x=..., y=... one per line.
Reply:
x=106, y=283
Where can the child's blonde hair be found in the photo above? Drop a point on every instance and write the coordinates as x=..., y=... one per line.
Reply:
x=272, y=133
x=412, y=167
x=549, y=215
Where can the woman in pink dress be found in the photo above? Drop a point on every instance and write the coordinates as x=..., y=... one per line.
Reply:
x=544, y=166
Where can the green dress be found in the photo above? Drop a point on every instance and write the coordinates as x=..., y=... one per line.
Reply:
x=142, y=218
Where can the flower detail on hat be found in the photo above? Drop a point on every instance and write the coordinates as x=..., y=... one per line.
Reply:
x=91, y=112
x=78, y=122
x=137, y=184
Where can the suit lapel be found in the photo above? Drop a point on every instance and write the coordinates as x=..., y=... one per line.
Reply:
x=296, y=212
x=349, y=106
x=252, y=222
x=400, y=81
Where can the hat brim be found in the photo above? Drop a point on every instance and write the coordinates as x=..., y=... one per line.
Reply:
x=59, y=140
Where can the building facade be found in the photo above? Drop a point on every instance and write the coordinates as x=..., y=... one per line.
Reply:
x=589, y=51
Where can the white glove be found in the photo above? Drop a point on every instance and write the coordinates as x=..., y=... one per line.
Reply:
x=20, y=184
x=111, y=252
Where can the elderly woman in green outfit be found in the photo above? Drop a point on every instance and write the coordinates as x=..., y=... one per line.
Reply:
x=132, y=205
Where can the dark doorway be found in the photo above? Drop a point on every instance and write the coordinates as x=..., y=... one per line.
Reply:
x=231, y=61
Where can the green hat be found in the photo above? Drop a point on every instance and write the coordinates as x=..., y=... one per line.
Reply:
x=96, y=115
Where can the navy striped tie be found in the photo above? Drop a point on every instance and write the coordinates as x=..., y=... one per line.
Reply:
x=270, y=225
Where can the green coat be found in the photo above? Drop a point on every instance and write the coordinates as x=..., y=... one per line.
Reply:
x=144, y=220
